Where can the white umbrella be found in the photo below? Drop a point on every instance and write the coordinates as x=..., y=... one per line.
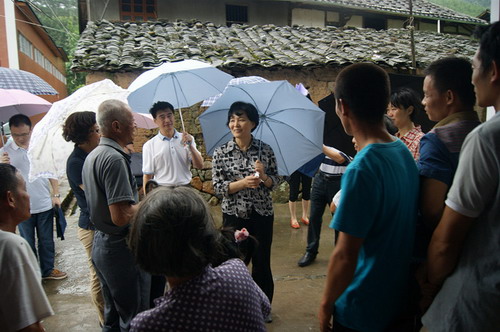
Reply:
x=182, y=83
x=48, y=150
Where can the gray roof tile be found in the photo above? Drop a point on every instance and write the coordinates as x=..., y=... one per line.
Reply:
x=128, y=46
x=421, y=8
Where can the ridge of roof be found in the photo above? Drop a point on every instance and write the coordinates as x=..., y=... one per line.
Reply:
x=421, y=8
x=132, y=46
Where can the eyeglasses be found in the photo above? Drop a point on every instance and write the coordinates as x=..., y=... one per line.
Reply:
x=94, y=131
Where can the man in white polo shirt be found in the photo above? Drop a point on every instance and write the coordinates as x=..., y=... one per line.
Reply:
x=167, y=157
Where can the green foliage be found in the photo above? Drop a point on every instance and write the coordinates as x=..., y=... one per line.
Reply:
x=469, y=7
x=60, y=18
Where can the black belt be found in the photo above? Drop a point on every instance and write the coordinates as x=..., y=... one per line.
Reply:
x=330, y=177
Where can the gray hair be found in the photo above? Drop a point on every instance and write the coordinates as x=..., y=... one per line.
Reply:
x=109, y=111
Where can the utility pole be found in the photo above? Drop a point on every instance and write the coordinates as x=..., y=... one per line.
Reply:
x=412, y=37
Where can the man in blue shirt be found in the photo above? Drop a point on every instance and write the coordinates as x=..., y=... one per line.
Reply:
x=369, y=267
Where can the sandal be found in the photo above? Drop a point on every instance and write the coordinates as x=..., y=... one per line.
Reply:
x=295, y=224
x=305, y=221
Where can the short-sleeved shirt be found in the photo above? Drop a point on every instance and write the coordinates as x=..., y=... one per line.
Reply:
x=440, y=148
x=39, y=190
x=470, y=297
x=379, y=204
x=74, y=167
x=24, y=301
x=224, y=298
x=412, y=140
x=167, y=159
x=230, y=164
x=107, y=180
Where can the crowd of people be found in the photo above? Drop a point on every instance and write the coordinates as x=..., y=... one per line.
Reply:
x=416, y=226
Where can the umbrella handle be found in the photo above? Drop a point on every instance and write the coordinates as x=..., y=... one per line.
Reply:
x=182, y=120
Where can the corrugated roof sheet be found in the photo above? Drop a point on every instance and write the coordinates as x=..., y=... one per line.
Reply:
x=128, y=46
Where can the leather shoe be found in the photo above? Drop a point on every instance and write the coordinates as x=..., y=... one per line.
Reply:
x=307, y=259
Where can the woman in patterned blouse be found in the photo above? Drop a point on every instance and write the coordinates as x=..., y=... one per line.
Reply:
x=402, y=110
x=244, y=172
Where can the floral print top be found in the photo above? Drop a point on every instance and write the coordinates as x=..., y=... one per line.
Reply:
x=231, y=164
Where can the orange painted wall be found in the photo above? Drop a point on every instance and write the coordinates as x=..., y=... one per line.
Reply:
x=28, y=64
x=4, y=58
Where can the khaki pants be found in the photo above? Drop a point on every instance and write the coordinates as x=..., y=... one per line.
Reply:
x=86, y=237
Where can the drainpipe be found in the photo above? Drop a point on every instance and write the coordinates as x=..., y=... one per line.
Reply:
x=439, y=26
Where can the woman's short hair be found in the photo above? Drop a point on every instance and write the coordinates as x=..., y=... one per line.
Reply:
x=404, y=97
x=238, y=108
x=173, y=233
x=77, y=127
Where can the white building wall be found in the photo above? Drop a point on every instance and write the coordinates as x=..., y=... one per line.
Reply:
x=11, y=34
x=308, y=17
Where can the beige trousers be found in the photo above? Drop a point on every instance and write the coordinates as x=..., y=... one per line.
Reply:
x=86, y=237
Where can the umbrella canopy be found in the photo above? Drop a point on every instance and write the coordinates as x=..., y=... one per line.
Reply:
x=182, y=83
x=24, y=80
x=289, y=122
x=235, y=81
x=48, y=150
x=14, y=101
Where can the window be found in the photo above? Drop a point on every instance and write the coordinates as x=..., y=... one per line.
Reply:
x=137, y=10
x=377, y=23
x=236, y=14
x=25, y=46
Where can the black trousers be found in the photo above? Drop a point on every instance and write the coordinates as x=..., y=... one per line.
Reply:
x=260, y=227
x=323, y=190
x=294, y=181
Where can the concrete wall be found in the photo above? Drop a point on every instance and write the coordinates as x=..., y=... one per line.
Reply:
x=308, y=17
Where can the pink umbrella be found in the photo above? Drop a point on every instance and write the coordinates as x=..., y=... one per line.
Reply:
x=14, y=101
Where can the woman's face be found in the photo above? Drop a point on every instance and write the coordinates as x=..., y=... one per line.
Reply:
x=94, y=136
x=240, y=125
x=399, y=116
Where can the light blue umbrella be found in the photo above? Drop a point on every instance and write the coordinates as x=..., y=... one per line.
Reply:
x=289, y=122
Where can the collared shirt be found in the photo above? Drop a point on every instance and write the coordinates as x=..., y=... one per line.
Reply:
x=168, y=160
x=412, y=140
x=231, y=164
x=39, y=190
x=331, y=167
x=440, y=148
x=107, y=180
x=74, y=167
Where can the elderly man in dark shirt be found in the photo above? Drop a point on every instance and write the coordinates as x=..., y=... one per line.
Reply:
x=111, y=194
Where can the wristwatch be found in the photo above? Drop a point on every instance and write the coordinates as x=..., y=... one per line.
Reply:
x=56, y=195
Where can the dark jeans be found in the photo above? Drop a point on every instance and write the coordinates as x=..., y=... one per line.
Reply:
x=43, y=223
x=323, y=190
x=294, y=181
x=261, y=227
x=341, y=328
x=125, y=287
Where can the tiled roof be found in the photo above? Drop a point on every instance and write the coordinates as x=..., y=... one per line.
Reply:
x=127, y=46
x=421, y=8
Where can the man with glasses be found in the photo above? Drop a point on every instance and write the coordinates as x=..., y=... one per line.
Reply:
x=167, y=157
x=42, y=200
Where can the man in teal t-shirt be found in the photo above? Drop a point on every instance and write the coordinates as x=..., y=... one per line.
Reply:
x=369, y=267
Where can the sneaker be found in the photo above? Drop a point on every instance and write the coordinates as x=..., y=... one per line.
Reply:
x=55, y=275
